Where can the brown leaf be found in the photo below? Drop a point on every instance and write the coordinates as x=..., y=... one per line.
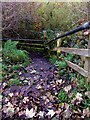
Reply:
x=67, y=88
x=30, y=113
x=51, y=112
x=87, y=94
x=86, y=112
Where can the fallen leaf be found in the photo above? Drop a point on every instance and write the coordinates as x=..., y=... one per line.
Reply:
x=58, y=111
x=22, y=78
x=66, y=106
x=6, y=99
x=67, y=88
x=17, y=109
x=4, y=85
x=21, y=113
x=87, y=94
x=9, y=104
x=8, y=109
x=79, y=96
x=51, y=112
x=25, y=81
x=86, y=112
x=67, y=113
x=33, y=71
x=73, y=101
x=10, y=94
x=16, y=93
x=86, y=33
x=44, y=97
x=41, y=114
x=39, y=86
x=1, y=98
x=25, y=100
x=28, y=78
x=0, y=107
x=41, y=69
x=20, y=73
x=46, y=101
x=59, y=81
x=70, y=95
x=30, y=113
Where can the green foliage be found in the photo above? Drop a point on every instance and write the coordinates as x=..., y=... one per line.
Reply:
x=15, y=67
x=14, y=82
x=12, y=54
x=61, y=64
x=13, y=59
x=4, y=67
x=4, y=70
x=8, y=68
x=53, y=59
x=70, y=57
x=62, y=96
x=82, y=84
x=62, y=72
x=73, y=76
x=86, y=103
x=50, y=34
x=59, y=16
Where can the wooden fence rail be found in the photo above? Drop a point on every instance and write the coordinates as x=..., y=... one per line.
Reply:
x=82, y=52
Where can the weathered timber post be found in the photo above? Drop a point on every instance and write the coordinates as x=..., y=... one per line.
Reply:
x=58, y=43
x=46, y=48
x=87, y=60
x=45, y=34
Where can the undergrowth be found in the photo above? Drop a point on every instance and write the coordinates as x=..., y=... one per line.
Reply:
x=12, y=55
x=13, y=60
x=80, y=84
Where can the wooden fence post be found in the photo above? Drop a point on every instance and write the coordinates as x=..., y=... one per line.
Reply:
x=87, y=60
x=58, y=44
x=45, y=34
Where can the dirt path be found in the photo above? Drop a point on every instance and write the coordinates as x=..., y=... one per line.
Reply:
x=37, y=98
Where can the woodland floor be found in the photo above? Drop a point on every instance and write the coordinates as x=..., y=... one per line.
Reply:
x=38, y=97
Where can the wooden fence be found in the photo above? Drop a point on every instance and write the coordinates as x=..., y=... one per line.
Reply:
x=31, y=43
x=82, y=52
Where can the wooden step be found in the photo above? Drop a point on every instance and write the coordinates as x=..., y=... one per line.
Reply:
x=32, y=45
x=33, y=41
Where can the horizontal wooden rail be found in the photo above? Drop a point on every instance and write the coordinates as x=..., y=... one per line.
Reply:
x=82, y=52
x=77, y=68
x=32, y=45
x=33, y=40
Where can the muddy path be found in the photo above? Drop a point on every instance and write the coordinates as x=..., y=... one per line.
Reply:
x=39, y=92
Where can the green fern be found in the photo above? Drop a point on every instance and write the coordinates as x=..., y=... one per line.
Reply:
x=12, y=54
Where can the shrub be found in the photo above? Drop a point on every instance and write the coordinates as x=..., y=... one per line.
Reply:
x=12, y=54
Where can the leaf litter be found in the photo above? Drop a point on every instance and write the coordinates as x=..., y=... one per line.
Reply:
x=38, y=97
